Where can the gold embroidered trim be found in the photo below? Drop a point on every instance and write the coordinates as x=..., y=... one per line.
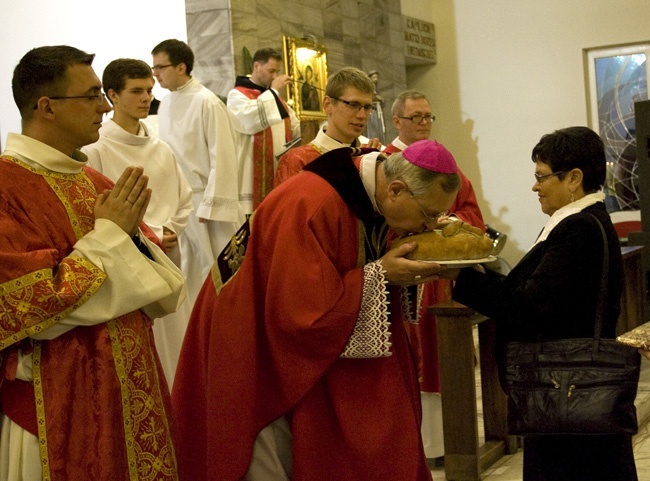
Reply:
x=148, y=457
x=118, y=357
x=16, y=296
x=40, y=411
x=63, y=184
x=234, y=253
x=216, y=278
x=42, y=172
x=79, y=182
x=171, y=469
x=317, y=149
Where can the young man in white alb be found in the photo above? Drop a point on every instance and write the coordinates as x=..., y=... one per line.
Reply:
x=124, y=141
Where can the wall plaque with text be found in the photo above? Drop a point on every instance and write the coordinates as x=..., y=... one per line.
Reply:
x=419, y=41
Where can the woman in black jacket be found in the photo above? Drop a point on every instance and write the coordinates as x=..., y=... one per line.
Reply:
x=552, y=292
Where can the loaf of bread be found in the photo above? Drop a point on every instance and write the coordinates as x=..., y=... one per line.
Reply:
x=457, y=240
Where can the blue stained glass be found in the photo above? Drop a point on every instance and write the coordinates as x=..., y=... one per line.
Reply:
x=621, y=80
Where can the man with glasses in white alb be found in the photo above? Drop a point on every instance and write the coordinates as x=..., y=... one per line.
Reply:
x=196, y=125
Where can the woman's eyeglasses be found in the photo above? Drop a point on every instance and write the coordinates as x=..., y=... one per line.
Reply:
x=540, y=178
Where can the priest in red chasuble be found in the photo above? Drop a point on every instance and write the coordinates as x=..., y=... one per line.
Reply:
x=296, y=365
x=82, y=393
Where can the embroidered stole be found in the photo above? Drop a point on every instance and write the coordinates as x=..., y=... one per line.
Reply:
x=263, y=155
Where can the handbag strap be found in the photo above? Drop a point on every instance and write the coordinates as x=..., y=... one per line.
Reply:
x=602, y=296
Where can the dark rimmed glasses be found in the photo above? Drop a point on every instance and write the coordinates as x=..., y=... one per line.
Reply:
x=158, y=68
x=100, y=98
x=356, y=106
x=418, y=118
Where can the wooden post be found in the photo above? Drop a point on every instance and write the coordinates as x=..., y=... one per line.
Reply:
x=633, y=298
x=465, y=459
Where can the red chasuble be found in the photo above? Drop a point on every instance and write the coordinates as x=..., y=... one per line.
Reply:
x=268, y=344
x=294, y=160
x=390, y=149
x=98, y=402
x=263, y=155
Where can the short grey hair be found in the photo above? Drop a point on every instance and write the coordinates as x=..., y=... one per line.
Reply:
x=400, y=101
x=419, y=180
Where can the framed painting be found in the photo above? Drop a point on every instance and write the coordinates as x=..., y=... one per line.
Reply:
x=306, y=63
x=616, y=77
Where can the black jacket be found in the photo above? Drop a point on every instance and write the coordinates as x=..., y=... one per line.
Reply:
x=552, y=292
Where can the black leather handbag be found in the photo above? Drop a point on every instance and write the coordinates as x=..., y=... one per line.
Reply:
x=573, y=386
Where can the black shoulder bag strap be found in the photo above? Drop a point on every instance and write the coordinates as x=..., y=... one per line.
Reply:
x=602, y=296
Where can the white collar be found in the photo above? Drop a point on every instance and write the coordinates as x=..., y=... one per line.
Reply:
x=324, y=143
x=40, y=155
x=110, y=129
x=569, y=209
x=368, y=169
x=397, y=143
x=185, y=85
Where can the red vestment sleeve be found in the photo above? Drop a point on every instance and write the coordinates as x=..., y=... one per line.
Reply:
x=39, y=284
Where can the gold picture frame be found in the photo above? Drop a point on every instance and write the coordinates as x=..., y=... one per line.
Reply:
x=306, y=63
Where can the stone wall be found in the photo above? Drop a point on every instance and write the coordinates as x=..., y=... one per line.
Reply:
x=367, y=34
x=209, y=34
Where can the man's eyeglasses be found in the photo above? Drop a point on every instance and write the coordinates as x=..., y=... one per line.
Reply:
x=356, y=106
x=99, y=98
x=157, y=68
x=428, y=118
x=540, y=178
x=428, y=218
